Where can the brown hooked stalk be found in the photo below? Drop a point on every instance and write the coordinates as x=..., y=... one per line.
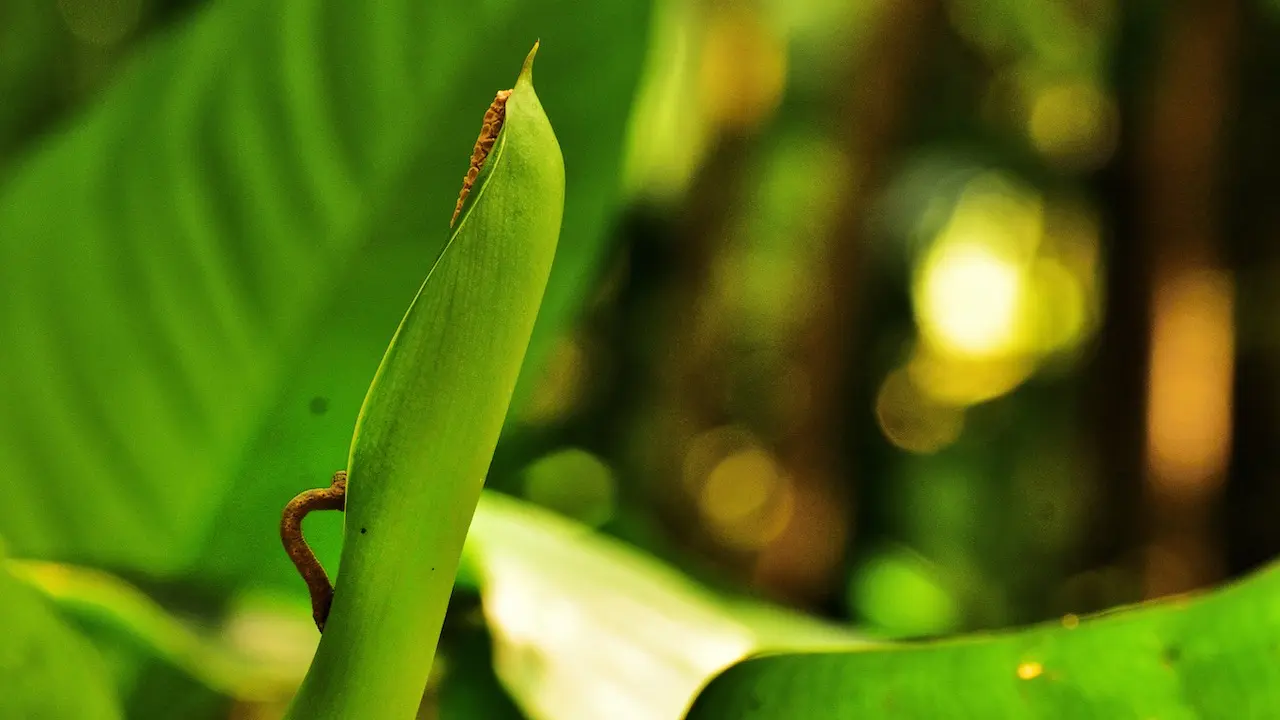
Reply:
x=333, y=497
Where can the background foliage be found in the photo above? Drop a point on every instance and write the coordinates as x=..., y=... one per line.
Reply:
x=912, y=318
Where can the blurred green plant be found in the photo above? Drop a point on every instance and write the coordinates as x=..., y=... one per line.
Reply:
x=47, y=671
x=118, y=615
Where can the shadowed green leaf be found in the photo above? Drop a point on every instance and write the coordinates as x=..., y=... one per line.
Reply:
x=1213, y=656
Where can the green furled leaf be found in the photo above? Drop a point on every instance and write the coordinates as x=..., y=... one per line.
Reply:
x=47, y=671
x=1213, y=656
x=586, y=627
x=199, y=276
x=429, y=426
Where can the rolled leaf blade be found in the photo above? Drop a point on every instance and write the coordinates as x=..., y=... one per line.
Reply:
x=429, y=425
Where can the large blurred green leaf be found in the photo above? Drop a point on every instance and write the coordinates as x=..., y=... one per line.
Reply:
x=47, y=672
x=586, y=627
x=197, y=279
x=1209, y=657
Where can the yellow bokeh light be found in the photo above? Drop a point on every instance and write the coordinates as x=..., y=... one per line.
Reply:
x=964, y=381
x=1030, y=670
x=1190, y=385
x=746, y=499
x=1007, y=282
x=1073, y=124
x=971, y=288
x=969, y=299
x=740, y=485
x=707, y=449
x=998, y=212
x=913, y=421
x=744, y=68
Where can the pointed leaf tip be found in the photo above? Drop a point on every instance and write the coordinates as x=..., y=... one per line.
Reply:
x=526, y=72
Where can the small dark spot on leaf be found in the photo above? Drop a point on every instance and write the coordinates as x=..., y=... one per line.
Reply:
x=1170, y=655
x=319, y=405
x=364, y=530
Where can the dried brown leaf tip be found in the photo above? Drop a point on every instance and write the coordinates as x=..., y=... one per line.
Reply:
x=493, y=118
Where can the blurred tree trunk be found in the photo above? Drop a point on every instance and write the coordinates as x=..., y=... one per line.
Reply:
x=1191, y=356
x=1252, y=495
x=803, y=562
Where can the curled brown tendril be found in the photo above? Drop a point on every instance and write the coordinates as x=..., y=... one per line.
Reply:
x=333, y=497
